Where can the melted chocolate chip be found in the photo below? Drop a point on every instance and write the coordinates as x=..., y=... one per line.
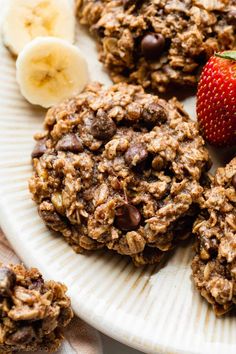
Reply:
x=127, y=217
x=103, y=127
x=154, y=114
x=7, y=281
x=234, y=181
x=70, y=142
x=39, y=149
x=136, y=154
x=152, y=45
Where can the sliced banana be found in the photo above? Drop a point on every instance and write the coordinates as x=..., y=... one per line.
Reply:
x=25, y=20
x=49, y=70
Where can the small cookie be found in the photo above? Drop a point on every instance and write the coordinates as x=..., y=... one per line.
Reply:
x=33, y=311
x=159, y=43
x=119, y=168
x=214, y=266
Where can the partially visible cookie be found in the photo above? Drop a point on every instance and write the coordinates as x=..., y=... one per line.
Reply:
x=121, y=169
x=33, y=311
x=214, y=266
x=159, y=43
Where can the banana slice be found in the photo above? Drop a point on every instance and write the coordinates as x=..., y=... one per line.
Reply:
x=49, y=69
x=25, y=20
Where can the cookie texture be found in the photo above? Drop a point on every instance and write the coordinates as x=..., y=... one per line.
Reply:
x=159, y=43
x=33, y=311
x=214, y=266
x=119, y=168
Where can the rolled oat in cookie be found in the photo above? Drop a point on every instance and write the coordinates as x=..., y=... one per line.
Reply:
x=161, y=42
x=33, y=311
x=214, y=266
x=121, y=170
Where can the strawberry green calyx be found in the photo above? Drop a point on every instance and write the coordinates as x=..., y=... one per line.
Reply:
x=230, y=55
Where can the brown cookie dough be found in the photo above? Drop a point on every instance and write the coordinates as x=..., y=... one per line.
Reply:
x=158, y=43
x=214, y=266
x=33, y=311
x=119, y=168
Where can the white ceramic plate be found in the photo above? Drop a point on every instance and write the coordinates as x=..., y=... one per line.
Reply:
x=156, y=311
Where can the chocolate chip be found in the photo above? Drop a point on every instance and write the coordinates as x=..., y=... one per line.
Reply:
x=39, y=149
x=127, y=217
x=136, y=154
x=103, y=127
x=7, y=281
x=154, y=114
x=232, y=17
x=152, y=45
x=234, y=181
x=23, y=335
x=70, y=142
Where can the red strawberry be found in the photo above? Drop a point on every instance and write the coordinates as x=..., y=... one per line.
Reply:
x=216, y=99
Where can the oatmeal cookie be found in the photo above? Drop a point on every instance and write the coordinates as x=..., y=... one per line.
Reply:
x=158, y=43
x=119, y=168
x=214, y=266
x=33, y=311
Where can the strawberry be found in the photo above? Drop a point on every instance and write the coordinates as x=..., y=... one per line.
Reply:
x=216, y=99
